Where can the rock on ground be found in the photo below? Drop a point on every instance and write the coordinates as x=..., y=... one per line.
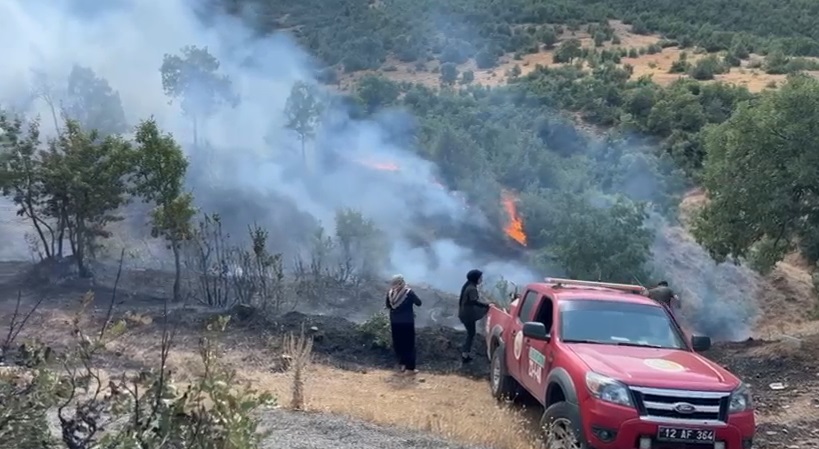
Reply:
x=294, y=430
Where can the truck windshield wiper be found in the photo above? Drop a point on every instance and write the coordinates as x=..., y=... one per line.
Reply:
x=638, y=345
x=591, y=342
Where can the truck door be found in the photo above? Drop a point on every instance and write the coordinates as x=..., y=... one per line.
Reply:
x=515, y=360
x=536, y=360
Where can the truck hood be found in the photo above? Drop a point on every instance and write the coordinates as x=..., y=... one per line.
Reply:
x=655, y=367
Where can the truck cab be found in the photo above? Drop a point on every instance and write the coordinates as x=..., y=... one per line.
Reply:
x=614, y=370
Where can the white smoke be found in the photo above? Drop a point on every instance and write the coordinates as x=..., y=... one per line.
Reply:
x=248, y=174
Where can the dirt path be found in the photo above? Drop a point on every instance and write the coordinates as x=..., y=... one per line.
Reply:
x=291, y=430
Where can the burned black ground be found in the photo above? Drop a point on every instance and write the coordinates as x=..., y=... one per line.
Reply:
x=346, y=345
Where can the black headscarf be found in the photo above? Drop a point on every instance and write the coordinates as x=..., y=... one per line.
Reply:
x=472, y=278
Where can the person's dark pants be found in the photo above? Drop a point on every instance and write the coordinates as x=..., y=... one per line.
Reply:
x=403, y=341
x=470, y=336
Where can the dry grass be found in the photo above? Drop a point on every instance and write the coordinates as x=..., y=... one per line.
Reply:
x=450, y=406
x=298, y=354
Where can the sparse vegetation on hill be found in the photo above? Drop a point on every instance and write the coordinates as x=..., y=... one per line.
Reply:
x=589, y=153
x=512, y=137
x=362, y=34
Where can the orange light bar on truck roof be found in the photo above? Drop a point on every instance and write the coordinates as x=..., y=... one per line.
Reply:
x=628, y=288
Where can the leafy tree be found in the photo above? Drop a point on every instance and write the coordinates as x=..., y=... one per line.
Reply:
x=86, y=177
x=193, y=78
x=597, y=243
x=92, y=103
x=567, y=51
x=486, y=58
x=467, y=77
x=362, y=245
x=302, y=111
x=376, y=92
x=160, y=174
x=706, y=68
x=681, y=65
x=548, y=36
x=21, y=177
x=776, y=62
x=760, y=178
x=449, y=73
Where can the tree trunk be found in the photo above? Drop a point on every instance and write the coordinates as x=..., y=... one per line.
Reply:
x=80, y=250
x=36, y=221
x=50, y=102
x=72, y=238
x=61, y=234
x=177, y=280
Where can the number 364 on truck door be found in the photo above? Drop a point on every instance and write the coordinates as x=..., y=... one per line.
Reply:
x=536, y=362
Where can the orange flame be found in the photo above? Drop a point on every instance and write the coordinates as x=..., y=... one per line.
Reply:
x=514, y=229
x=383, y=166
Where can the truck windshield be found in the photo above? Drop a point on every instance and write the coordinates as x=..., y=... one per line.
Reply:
x=618, y=323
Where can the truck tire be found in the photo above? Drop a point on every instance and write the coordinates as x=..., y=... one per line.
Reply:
x=560, y=427
x=503, y=386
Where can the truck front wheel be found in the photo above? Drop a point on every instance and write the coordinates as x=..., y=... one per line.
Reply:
x=502, y=384
x=561, y=427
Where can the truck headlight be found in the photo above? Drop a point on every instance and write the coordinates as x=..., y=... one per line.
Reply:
x=740, y=400
x=608, y=389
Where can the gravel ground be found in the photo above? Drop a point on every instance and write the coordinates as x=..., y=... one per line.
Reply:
x=291, y=430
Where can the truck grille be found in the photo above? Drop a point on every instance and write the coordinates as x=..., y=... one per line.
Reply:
x=681, y=406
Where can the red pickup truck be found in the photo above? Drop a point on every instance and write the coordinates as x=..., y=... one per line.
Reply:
x=614, y=370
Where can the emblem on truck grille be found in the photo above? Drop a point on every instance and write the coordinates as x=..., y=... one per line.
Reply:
x=684, y=408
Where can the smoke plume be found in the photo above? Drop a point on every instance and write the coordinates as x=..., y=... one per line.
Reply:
x=248, y=168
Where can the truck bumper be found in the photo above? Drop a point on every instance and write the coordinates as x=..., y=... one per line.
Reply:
x=608, y=426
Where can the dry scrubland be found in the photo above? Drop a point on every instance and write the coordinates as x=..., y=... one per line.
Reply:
x=448, y=403
x=656, y=65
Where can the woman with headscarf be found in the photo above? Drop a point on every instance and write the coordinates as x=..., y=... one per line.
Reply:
x=400, y=302
x=471, y=309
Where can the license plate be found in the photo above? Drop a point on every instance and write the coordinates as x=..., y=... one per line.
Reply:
x=681, y=434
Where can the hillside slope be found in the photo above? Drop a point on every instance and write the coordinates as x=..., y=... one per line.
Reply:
x=353, y=379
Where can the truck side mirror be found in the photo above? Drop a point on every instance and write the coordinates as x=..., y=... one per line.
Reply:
x=535, y=331
x=700, y=343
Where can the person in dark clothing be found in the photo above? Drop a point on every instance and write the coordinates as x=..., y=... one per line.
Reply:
x=471, y=309
x=663, y=294
x=401, y=301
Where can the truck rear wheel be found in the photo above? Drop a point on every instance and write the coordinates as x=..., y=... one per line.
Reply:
x=560, y=426
x=502, y=384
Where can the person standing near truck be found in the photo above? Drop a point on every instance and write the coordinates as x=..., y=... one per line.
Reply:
x=471, y=309
x=663, y=294
x=401, y=302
